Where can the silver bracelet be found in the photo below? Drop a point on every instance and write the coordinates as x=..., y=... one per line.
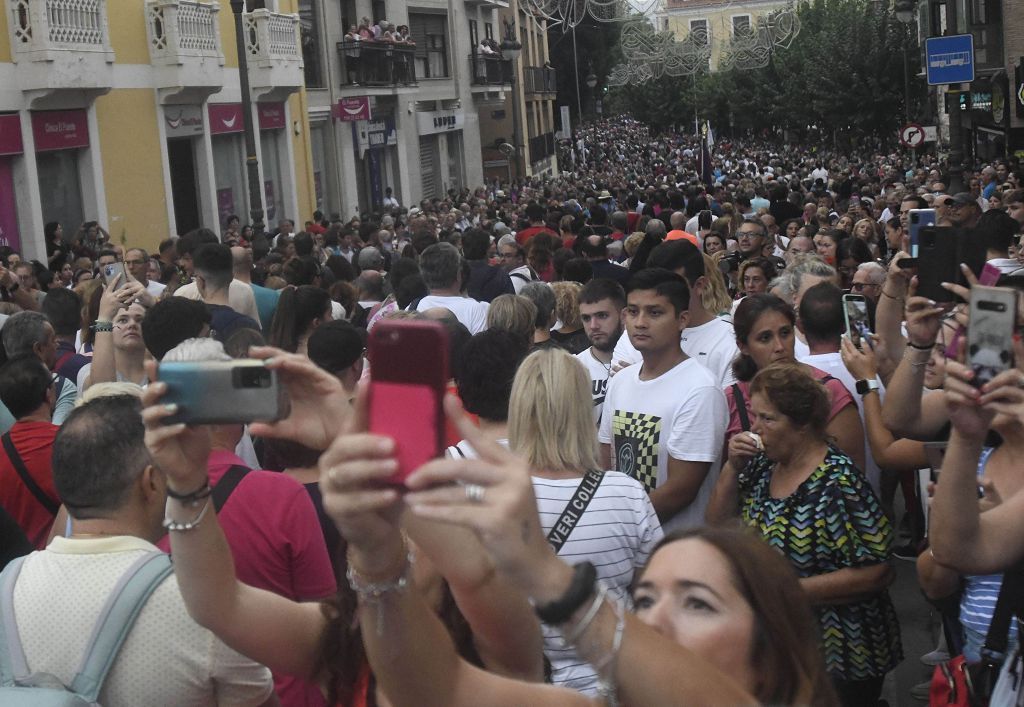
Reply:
x=176, y=526
x=581, y=627
x=373, y=592
x=910, y=351
x=606, y=681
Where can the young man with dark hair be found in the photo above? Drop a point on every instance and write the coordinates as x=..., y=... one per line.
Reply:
x=171, y=321
x=601, y=304
x=486, y=281
x=535, y=213
x=63, y=307
x=707, y=338
x=27, y=491
x=664, y=420
x=213, y=274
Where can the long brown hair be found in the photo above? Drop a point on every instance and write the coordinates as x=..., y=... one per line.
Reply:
x=785, y=653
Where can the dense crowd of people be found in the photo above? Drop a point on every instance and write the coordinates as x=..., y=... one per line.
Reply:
x=672, y=475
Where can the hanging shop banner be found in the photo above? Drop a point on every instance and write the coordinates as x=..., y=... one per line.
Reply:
x=8, y=207
x=60, y=129
x=226, y=118
x=183, y=121
x=429, y=122
x=374, y=134
x=271, y=116
x=10, y=135
x=352, y=109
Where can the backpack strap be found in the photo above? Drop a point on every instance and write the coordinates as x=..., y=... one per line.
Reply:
x=741, y=406
x=116, y=619
x=223, y=488
x=13, y=666
x=64, y=358
x=26, y=478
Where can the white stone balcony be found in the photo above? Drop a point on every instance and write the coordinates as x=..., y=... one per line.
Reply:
x=185, y=49
x=273, y=53
x=61, y=48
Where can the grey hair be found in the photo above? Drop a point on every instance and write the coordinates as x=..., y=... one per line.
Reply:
x=543, y=298
x=197, y=350
x=806, y=264
x=440, y=264
x=22, y=331
x=655, y=227
x=876, y=273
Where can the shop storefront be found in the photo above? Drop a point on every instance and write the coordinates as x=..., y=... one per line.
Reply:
x=441, y=151
x=272, y=124
x=318, y=141
x=183, y=126
x=228, y=144
x=11, y=148
x=377, y=160
x=60, y=138
x=989, y=116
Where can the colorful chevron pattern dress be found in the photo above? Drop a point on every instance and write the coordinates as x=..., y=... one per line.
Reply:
x=831, y=522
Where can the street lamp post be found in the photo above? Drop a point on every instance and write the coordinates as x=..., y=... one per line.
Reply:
x=511, y=49
x=904, y=10
x=251, y=162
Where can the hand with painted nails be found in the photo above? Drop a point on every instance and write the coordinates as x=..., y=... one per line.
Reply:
x=319, y=404
x=923, y=320
x=353, y=484
x=963, y=401
x=179, y=451
x=491, y=495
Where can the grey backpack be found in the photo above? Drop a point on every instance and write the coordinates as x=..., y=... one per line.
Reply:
x=18, y=686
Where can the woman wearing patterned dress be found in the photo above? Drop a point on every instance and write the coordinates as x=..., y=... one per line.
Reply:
x=809, y=501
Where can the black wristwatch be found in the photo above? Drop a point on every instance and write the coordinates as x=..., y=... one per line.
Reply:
x=866, y=386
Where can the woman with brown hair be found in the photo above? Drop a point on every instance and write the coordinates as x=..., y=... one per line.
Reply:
x=570, y=335
x=704, y=630
x=806, y=498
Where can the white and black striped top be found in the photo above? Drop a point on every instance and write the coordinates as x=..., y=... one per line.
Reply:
x=617, y=533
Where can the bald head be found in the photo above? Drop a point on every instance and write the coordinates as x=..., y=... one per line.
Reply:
x=678, y=220
x=241, y=263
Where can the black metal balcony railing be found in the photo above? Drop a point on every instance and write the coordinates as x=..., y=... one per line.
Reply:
x=542, y=146
x=540, y=79
x=366, y=63
x=490, y=70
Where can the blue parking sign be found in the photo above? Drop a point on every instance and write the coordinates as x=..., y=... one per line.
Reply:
x=949, y=59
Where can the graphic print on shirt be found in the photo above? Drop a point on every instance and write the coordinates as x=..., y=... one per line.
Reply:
x=598, y=388
x=636, y=436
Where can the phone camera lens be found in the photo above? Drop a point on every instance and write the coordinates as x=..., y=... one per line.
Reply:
x=256, y=377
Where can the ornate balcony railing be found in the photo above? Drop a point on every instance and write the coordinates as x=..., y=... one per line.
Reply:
x=179, y=29
x=377, y=64
x=42, y=25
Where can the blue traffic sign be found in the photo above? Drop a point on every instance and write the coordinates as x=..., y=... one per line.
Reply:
x=949, y=59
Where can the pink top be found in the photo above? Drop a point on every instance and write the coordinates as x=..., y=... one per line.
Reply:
x=272, y=528
x=837, y=392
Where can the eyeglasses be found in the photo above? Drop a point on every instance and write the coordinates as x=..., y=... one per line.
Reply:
x=858, y=286
x=134, y=262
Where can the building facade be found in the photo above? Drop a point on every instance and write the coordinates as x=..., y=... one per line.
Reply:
x=716, y=21
x=130, y=114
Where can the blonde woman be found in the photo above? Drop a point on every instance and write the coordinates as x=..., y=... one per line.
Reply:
x=551, y=427
x=513, y=313
x=570, y=335
x=715, y=296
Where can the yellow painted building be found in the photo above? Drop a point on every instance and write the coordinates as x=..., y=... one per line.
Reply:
x=129, y=113
x=717, y=20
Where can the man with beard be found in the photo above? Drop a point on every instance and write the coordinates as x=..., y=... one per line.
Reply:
x=601, y=303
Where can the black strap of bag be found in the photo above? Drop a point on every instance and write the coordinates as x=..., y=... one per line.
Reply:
x=741, y=407
x=574, y=509
x=985, y=673
x=19, y=466
x=222, y=490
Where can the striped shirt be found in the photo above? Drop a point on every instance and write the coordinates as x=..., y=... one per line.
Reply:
x=616, y=533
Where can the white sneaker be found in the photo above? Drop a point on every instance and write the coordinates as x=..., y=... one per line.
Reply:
x=935, y=657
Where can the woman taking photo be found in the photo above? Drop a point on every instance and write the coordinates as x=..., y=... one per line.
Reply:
x=807, y=499
x=765, y=334
x=704, y=631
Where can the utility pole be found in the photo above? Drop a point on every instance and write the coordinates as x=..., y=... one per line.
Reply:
x=956, y=136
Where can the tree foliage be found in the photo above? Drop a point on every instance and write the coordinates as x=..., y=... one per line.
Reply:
x=843, y=74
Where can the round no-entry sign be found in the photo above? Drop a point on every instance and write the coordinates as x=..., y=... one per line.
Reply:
x=912, y=135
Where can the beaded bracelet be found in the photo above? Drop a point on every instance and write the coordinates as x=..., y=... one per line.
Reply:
x=373, y=592
x=99, y=326
x=174, y=525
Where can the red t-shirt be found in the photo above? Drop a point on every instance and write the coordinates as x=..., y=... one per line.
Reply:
x=272, y=528
x=34, y=442
x=840, y=398
x=522, y=237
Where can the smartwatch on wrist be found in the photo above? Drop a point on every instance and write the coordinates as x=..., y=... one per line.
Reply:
x=866, y=386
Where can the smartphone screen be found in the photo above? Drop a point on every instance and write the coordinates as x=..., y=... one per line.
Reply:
x=855, y=312
x=408, y=379
x=990, y=332
x=918, y=219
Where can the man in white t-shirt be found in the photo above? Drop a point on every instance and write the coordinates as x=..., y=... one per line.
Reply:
x=664, y=420
x=441, y=268
x=601, y=302
x=823, y=324
x=707, y=338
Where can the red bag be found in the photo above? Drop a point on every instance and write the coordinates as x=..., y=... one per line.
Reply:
x=957, y=684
